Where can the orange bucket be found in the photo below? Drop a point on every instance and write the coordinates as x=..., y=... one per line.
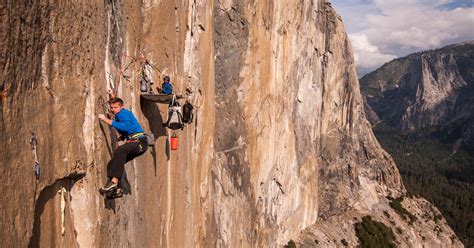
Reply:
x=174, y=142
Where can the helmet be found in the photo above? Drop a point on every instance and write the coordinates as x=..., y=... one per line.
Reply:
x=166, y=78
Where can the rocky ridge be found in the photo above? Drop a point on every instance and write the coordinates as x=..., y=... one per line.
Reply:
x=421, y=107
x=431, y=88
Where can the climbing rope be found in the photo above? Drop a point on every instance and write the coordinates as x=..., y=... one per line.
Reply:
x=146, y=61
x=36, y=166
x=145, y=74
x=144, y=71
x=121, y=71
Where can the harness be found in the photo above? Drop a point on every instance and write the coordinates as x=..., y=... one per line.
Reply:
x=135, y=137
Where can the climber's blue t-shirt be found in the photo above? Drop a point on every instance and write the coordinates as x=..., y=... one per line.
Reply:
x=166, y=88
x=126, y=123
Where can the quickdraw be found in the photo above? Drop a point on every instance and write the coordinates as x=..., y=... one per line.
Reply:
x=36, y=166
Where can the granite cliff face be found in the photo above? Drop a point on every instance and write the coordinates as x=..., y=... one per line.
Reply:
x=279, y=143
x=432, y=88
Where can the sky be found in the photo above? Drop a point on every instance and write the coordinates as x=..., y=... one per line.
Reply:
x=382, y=30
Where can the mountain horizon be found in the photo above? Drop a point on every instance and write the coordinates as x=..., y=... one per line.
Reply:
x=421, y=107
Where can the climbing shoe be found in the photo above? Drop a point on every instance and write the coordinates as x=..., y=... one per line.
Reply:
x=109, y=187
x=117, y=193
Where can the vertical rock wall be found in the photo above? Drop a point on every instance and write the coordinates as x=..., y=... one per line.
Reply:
x=278, y=143
x=292, y=142
x=50, y=68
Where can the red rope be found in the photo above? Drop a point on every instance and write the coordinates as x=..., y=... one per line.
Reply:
x=143, y=60
x=120, y=72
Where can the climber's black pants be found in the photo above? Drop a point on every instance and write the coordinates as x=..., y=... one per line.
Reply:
x=123, y=154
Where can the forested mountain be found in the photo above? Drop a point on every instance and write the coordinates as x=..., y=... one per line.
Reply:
x=421, y=107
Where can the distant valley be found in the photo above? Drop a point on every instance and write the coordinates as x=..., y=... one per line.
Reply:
x=421, y=107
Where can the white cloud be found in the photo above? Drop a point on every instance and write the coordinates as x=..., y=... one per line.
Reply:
x=367, y=56
x=400, y=27
x=417, y=25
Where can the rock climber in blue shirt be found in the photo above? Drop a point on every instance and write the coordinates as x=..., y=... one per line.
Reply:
x=166, y=87
x=136, y=144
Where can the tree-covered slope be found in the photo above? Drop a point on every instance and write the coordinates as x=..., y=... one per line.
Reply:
x=423, y=106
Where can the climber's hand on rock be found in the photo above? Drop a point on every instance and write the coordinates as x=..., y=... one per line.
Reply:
x=105, y=119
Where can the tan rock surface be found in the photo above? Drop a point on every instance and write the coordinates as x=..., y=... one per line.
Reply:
x=279, y=142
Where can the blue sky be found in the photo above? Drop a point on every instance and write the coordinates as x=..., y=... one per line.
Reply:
x=381, y=30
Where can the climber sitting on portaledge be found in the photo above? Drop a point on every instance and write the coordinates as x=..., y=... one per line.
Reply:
x=136, y=143
x=166, y=86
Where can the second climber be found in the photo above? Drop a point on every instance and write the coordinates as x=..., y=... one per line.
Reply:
x=166, y=86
